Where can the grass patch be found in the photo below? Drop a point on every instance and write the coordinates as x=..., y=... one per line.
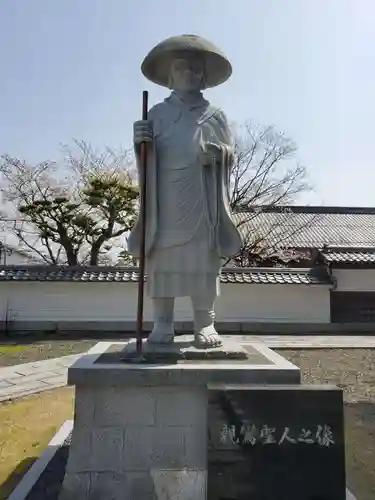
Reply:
x=11, y=349
x=27, y=352
x=27, y=426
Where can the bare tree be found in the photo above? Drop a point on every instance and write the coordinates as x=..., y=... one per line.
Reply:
x=75, y=211
x=265, y=174
x=71, y=212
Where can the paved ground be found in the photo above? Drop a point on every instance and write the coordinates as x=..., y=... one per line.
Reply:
x=309, y=341
x=29, y=378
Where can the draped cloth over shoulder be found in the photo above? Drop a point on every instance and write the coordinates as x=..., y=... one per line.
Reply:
x=156, y=65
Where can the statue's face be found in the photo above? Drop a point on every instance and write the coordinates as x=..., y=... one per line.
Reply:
x=187, y=73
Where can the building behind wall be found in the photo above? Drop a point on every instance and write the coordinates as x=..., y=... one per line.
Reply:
x=333, y=292
x=342, y=239
x=12, y=256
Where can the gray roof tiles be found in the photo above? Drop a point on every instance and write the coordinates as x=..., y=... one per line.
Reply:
x=310, y=227
x=126, y=275
x=274, y=276
x=349, y=257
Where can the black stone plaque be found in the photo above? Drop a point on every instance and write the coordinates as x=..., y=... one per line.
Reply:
x=280, y=443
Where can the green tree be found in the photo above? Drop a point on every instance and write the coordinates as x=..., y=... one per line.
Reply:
x=72, y=212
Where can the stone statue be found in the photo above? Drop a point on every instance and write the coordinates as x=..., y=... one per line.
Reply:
x=190, y=153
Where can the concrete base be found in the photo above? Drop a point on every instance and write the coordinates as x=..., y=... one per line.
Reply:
x=133, y=433
x=135, y=423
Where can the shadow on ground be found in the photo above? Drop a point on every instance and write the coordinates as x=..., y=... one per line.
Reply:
x=15, y=477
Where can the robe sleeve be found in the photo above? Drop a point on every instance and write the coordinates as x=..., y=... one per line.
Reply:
x=225, y=135
x=228, y=237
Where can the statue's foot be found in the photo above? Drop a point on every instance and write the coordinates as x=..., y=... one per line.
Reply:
x=161, y=334
x=207, y=337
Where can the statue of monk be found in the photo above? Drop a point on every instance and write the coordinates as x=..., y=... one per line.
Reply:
x=189, y=229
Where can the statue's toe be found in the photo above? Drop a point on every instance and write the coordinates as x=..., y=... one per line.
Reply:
x=216, y=340
x=207, y=340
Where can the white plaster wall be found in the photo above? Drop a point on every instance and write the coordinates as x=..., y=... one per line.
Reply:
x=43, y=301
x=355, y=280
x=274, y=303
x=15, y=259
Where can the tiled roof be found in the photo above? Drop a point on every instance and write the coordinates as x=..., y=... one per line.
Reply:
x=67, y=273
x=274, y=276
x=309, y=227
x=130, y=274
x=349, y=256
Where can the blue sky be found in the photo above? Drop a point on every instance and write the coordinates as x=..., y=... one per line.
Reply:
x=71, y=68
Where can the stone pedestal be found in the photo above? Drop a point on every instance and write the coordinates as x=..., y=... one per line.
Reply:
x=140, y=427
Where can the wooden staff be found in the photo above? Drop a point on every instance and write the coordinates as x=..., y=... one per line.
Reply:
x=142, y=259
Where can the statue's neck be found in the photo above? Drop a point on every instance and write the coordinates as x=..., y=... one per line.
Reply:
x=192, y=97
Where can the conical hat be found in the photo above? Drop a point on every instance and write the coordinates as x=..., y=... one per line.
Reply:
x=156, y=65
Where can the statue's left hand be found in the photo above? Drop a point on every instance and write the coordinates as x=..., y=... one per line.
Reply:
x=211, y=153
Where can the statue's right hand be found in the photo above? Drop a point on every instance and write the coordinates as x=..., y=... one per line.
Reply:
x=142, y=132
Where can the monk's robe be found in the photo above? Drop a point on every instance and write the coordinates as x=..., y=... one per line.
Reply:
x=189, y=229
